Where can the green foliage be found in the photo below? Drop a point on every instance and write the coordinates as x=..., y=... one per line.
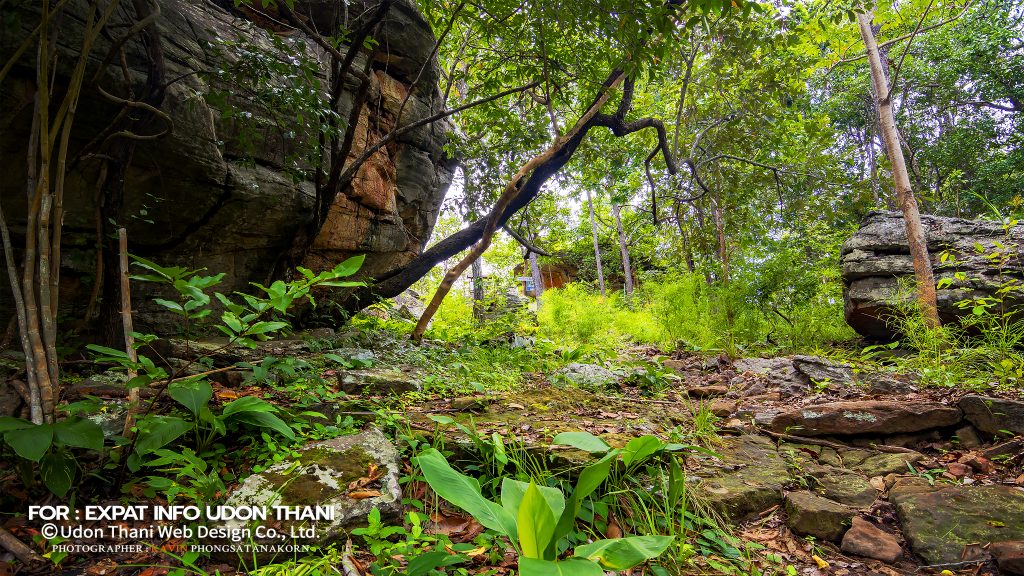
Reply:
x=685, y=312
x=535, y=518
x=51, y=447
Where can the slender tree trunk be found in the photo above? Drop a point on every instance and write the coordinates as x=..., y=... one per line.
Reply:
x=477, y=280
x=597, y=244
x=627, y=269
x=904, y=191
x=723, y=246
x=538, y=280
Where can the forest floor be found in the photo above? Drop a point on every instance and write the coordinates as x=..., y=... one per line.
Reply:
x=794, y=464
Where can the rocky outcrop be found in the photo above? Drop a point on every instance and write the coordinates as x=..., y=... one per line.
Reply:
x=877, y=256
x=212, y=194
x=878, y=417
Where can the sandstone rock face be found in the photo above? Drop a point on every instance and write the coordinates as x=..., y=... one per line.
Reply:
x=877, y=256
x=865, y=417
x=209, y=194
x=940, y=522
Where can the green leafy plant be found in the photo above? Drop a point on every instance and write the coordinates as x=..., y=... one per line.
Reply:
x=50, y=447
x=536, y=519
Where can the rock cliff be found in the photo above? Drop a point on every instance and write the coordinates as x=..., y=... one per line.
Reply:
x=215, y=194
x=876, y=257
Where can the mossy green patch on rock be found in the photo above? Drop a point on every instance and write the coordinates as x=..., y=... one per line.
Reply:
x=940, y=520
x=321, y=476
x=748, y=478
x=322, y=473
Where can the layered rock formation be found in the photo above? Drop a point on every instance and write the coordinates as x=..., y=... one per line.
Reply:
x=209, y=194
x=877, y=257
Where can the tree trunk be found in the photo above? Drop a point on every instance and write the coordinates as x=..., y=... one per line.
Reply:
x=723, y=246
x=538, y=280
x=597, y=244
x=627, y=269
x=904, y=192
x=477, y=279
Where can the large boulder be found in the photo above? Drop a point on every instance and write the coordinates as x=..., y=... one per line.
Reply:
x=212, y=194
x=877, y=256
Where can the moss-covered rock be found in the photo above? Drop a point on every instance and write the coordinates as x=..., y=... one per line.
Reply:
x=940, y=520
x=814, y=515
x=748, y=478
x=321, y=476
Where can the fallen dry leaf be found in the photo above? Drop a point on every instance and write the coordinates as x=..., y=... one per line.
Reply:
x=363, y=494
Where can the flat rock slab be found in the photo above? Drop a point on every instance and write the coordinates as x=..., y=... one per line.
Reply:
x=843, y=486
x=814, y=515
x=862, y=460
x=747, y=479
x=320, y=476
x=940, y=521
x=994, y=415
x=379, y=381
x=877, y=417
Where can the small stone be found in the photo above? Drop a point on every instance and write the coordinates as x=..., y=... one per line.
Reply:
x=723, y=408
x=813, y=515
x=958, y=470
x=867, y=540
x=589, y=376
x=1007, y=448
x=968, y=437
x=980, y=464
x=707, y=391
x=1009, y=556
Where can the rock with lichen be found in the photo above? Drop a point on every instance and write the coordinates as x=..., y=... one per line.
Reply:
x=347, y=476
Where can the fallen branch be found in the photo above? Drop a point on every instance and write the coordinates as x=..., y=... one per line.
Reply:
x=21, y=551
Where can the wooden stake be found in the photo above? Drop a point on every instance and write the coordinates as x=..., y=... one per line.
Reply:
x=126, y=323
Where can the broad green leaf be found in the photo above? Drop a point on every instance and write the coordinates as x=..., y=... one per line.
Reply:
x=30, y=443
x=57, y=470
x=247, y=404
x=536, y=522
x=192, y=394
x=569, y=567
x=512, y=492
x=624, y=553
x=159, y=431
x=264, y=420
x=423, y=564
x=639, y=449
x=582, y=441
x=349, y=267
x=464, y=492
x=111, y=352
x=79, y=432
x=12, y=423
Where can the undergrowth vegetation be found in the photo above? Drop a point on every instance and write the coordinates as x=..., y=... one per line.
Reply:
x=684, y=312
